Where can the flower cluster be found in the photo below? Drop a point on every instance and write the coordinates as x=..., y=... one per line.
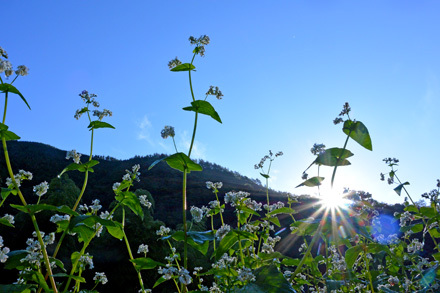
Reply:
x=9, y=218
x=200, y=44
x=144, y=201
x=167, y=131
x=41, y=189
x=100, y=278
x=267, y=157
x=5, y=250
x=173, y=63
x=18, y=178
x=74, y=155
x=317, y=149
x=214, y=91
x=102, y=114
x=163, y=231
x=214, y=186
x=143, y=248
x=6, y=66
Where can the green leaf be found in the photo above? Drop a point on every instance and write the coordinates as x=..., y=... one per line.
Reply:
x=86, y=233
x=130, y=200
x=283, y=210
x=35, y=208
x=275, y=220
x=6, y=87
x=146, y=263
x=358, y=132
x=197, y=240
x=116, y=231
x=15, y=288
x=8, y=135
x=428, y=212
x=334, y=157
x=155, y=163
x=265, y=175
x=74, y=277
x=411, y=208
x=5, y=192
x=14, y=260
x=398, y=189
x=334, y=285
x=351, y=255
x=6, y=223
x=87, y=166
x=201, y=237
x=99, y=124
x=314, y=181
x=203, y=107
x=183, y=67
x=268, y=280
x=38, y=278
x=226, y=243
x=159, y=281
x=181, y=162
x=245, y=235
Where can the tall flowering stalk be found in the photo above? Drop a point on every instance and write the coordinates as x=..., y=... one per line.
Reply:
x=179, y=160
x=6, y=88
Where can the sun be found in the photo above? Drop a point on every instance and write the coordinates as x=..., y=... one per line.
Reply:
x=333, y=200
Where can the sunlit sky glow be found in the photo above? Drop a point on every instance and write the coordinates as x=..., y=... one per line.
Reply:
x=285, y=69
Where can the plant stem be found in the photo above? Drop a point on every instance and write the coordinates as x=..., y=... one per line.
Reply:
x=129, y=250
x=6, y=106
x=23, y=201
x=338, y=159
x=185, y=244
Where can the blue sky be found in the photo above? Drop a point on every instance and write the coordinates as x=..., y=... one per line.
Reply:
x=285, y=69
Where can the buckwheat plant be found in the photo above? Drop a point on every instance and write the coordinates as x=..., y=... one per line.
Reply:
x=179, y=160
x=6, y=135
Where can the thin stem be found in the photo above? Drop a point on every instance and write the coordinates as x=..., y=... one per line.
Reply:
x=220, y=207
x=185, y=249
x=33, y=219
x=129, y=250
x=193, y=135
x=338, y=159
x=6, y=106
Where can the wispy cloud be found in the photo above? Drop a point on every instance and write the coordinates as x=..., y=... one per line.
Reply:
x=144, y=129
x=198, y=150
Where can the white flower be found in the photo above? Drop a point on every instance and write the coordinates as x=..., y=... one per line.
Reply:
x=167, y=131
x=95, y=207
x=173, y=63
x=102, y=114
x=184, y=277
x=74, y=155
x=197, y=214
x=56, y=218
x=144, y=201
x=116, y=186
x=41, y=189
x=222, y=231
x=100, y=277
x=9, y=218
x=85, y=260
x=5, y=65
x=143, y=248
x=163, y=231
x=245, y=275
x=22, y=70
x=3, y=254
